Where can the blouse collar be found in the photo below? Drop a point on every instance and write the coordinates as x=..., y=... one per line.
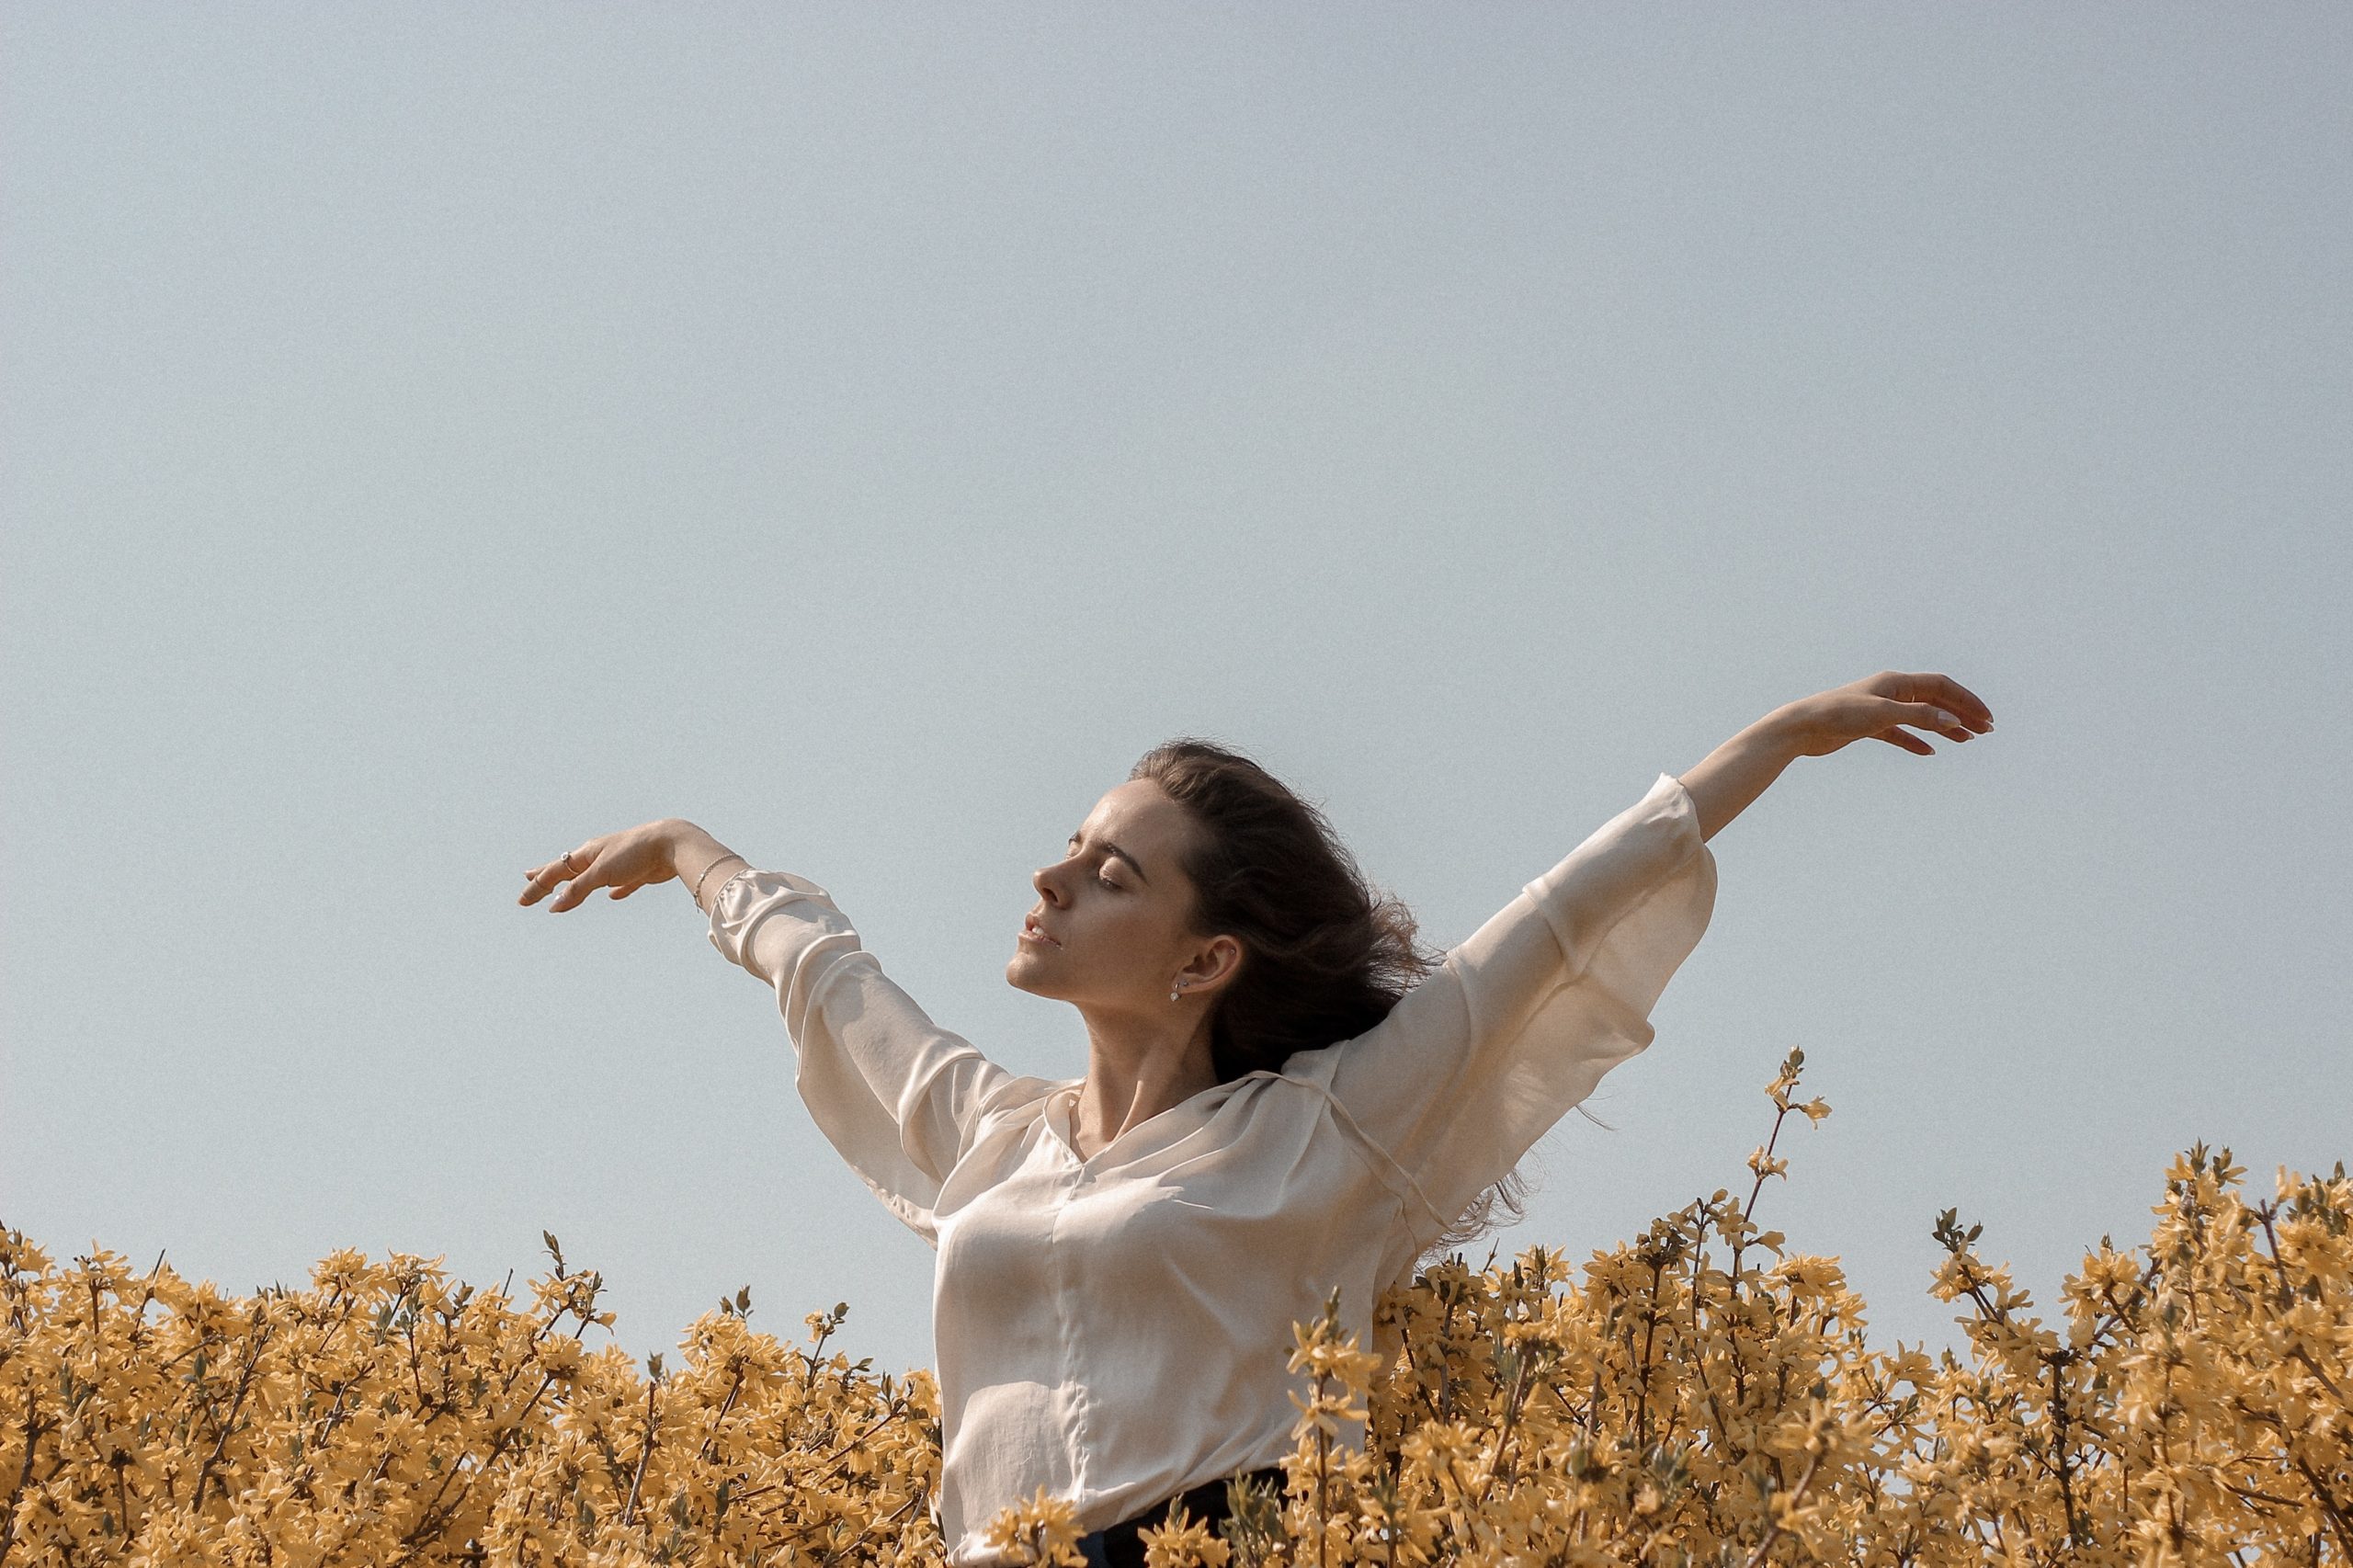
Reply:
x=1061, y=1118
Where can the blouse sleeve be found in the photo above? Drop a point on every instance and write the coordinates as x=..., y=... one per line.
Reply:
x=895, y=1093
x=1521, y=1021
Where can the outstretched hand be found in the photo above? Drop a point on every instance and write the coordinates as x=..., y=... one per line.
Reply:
x=1879, y=707
x=623, y=861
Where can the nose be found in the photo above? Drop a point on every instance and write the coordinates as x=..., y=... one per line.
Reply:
x=1043, y=880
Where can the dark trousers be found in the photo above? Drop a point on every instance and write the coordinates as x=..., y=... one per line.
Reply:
x=1122, y=1545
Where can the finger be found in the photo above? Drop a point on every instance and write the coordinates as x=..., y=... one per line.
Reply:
x=1909, y=742
x=1949, y=694
x=1928, y=716
x=543, y=881
x=1942, y=691
x=590, y=878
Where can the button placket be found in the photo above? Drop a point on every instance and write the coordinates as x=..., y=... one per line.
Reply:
x=1078, y=1439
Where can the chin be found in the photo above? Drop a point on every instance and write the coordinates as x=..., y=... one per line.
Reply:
x=1023, y=975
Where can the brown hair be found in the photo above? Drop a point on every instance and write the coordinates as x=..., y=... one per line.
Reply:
x=1325, y=955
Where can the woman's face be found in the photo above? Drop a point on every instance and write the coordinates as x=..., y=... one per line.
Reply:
x=1110, y=929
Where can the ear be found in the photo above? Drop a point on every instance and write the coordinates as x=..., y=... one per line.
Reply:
x=1216, y=964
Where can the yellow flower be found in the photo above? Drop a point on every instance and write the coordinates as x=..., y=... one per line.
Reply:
x=1041, y=1530
x=1183, y=1542
x=1662, y=1404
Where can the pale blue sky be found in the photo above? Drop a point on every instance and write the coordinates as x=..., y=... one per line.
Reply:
x=435, y=435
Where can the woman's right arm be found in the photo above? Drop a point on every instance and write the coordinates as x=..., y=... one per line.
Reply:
x=635, y=858
x=898, y=1095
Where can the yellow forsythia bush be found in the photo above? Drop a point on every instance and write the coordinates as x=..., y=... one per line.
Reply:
x=1699, y=1396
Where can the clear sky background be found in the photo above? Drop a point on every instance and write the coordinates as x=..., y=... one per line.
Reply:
x=432, y=436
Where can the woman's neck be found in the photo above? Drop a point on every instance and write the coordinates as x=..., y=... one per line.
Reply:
x=1133, y=1075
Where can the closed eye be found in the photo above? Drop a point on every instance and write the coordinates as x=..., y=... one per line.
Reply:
x=1113, y=852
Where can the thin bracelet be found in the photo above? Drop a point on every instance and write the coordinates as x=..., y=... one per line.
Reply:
x=731, y=855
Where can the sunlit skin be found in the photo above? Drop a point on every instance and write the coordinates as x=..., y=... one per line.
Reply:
x=1126, y=926
x=1112, y=934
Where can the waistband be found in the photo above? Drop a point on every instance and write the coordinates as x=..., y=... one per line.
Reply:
x=1122, y=1545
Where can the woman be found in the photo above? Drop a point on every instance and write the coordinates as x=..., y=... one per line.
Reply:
x=1282, y=1093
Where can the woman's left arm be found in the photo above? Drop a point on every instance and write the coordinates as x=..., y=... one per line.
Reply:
x=1525, y=1016
x=1877, y=708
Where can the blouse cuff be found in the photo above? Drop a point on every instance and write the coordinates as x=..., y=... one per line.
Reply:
x=745, y=899
x=1622, y=864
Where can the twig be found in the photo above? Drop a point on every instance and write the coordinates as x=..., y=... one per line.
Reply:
x=653, y=1429
x=23, y=1478
x=1773, y=1527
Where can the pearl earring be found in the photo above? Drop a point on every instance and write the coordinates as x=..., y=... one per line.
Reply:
x=1171, y=994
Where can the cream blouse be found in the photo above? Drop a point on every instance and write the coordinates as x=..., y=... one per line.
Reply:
x=1117, y=1328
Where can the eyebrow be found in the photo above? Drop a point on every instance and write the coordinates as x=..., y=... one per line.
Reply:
x=1110, y=848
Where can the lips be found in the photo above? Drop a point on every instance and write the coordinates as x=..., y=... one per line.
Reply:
x=1037, y=932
